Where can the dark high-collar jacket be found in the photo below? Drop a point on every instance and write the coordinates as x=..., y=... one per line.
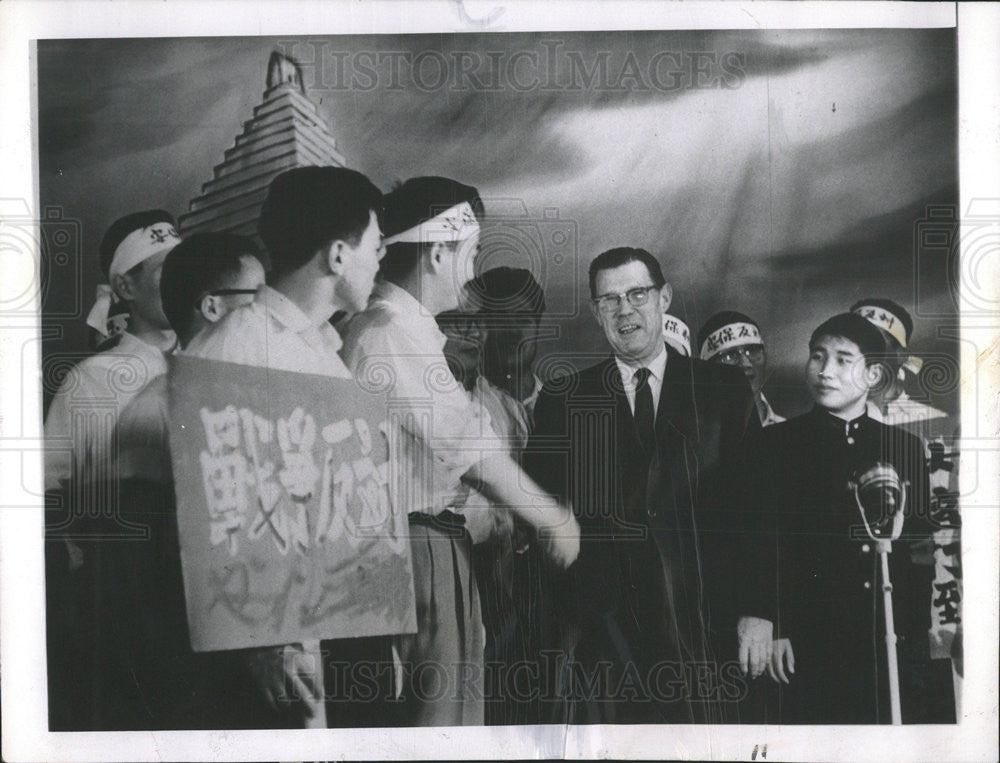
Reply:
x=830, y=599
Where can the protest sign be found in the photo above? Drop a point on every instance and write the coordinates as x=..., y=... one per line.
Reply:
x=287, y=533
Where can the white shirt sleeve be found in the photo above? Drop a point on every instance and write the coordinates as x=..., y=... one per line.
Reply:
x=424, y=398
x=70, y=433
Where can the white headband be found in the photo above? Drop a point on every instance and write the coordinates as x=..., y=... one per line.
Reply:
x=456, y=224
x=141, y=244
x=884, y=319
x=97, y=318
x=677, y=334
x=729, y=336
x=138, y=246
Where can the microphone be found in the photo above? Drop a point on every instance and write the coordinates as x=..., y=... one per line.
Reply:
x=881, y=496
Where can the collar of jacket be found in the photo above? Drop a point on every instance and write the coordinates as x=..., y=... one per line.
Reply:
x=676, y=407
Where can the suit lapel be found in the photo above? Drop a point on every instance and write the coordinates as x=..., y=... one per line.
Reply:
x=627, y=438
x=676, y=410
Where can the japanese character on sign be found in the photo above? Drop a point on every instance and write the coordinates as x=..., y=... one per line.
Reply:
x=225, y=476
x=296, y=436
x=948, y=599
x=360, y=481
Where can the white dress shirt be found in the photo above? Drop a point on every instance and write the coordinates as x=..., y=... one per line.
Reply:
x=657, y=367
x=439, y=431
x=766, y=412
x=84, y=411
x=272, y=332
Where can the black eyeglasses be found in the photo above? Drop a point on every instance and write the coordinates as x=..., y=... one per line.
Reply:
x=223, y=293
x=609, y=303
x=754, y=353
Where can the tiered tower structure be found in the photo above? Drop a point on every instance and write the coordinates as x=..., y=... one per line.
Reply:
x=286, y=131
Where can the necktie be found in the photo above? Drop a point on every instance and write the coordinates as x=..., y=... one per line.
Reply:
x=644, y=415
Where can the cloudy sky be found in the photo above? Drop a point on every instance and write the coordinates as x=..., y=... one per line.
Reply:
x=782, y=174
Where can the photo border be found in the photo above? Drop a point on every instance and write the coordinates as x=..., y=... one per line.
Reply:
x=22, y=650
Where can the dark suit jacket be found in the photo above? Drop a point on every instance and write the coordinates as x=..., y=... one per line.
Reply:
x=665, y=563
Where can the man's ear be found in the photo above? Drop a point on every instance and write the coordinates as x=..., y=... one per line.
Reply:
x=334, y=256
x=594, y=311
x=210, y=308
x=434, y=256
x=666, y=296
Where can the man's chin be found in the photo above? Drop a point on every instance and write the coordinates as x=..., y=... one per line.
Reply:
x=631, y=353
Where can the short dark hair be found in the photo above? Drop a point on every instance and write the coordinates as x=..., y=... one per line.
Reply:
x=308, y=207
x=615, y=258
x=896, y=309
x=197, y=265
x=504, y=291
x=721, y=319
x=122, y=227
x=857, y=329
x=413, y=202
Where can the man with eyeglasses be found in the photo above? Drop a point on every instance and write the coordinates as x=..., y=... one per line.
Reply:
x=322, y=232
x=651, y=447
x=734, y=339
x=204, y=278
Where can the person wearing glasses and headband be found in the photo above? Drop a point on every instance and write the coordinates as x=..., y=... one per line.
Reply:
x=734, y=339
x=651, y=447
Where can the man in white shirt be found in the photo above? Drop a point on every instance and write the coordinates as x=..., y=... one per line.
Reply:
x=82, y=499
x=204, y=278
x=321, y=228
x=441, y=443
x=77, y=448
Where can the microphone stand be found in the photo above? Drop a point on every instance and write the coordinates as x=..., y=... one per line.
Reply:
x=883, y=547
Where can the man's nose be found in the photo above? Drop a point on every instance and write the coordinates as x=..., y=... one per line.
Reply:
x=626, y=307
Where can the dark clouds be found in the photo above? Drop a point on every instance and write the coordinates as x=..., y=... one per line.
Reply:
x=770, y=170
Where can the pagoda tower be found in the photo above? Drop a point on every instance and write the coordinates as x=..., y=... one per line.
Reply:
x=286, y=131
